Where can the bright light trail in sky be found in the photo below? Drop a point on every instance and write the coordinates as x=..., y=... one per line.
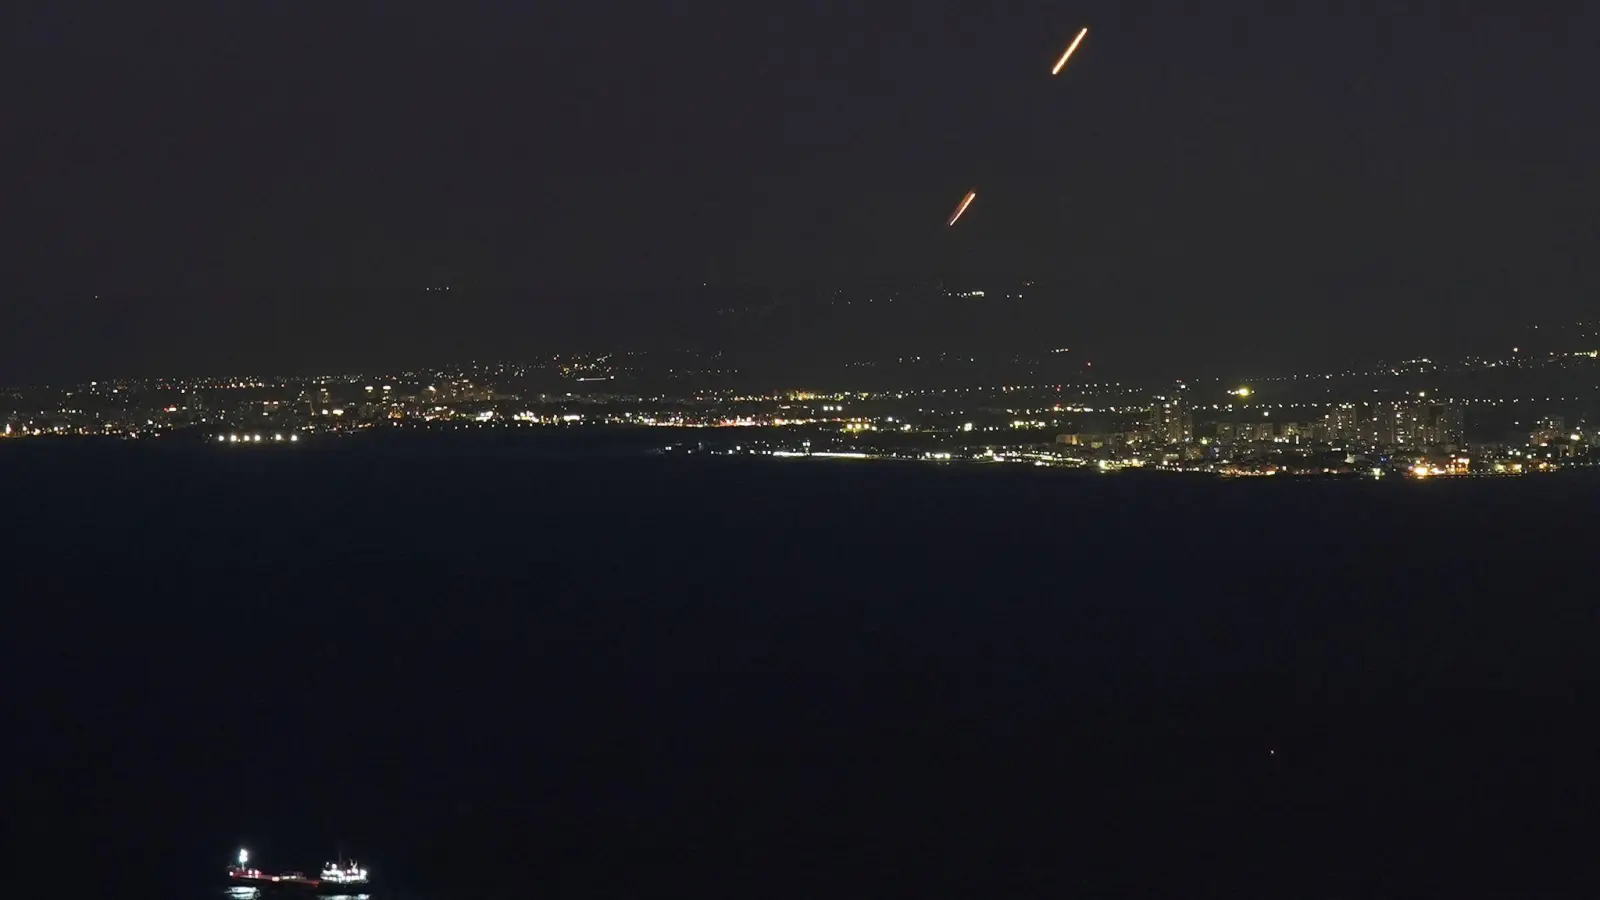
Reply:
x=1073, y=46
x=965, y=202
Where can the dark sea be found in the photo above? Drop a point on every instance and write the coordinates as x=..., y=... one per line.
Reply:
x=505, y=669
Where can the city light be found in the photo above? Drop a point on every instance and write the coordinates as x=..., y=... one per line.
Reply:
x=1392, y=426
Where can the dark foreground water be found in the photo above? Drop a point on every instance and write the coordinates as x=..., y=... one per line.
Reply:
x=491, y=672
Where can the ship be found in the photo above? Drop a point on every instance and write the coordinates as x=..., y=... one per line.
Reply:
x=344, y=877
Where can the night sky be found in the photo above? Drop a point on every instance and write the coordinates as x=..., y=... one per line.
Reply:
x=272, y=184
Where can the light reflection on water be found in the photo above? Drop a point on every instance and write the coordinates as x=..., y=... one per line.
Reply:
x=256, y=894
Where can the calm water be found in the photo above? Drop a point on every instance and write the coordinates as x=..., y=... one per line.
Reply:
x=737, y=678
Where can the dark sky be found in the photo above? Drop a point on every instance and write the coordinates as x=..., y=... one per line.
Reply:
x=1244, y=175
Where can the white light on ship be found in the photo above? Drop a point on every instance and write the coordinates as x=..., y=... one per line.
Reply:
x=244, y=857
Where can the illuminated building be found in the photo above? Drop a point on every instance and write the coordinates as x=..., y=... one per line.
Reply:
x=1378, y=429
x=1548, y=430
x=1245, y=432
x=1449, y=426
x=1297, y=432
x=1413, y=423
x=1343, y=422
x=1097, y=440
x=1171, y=422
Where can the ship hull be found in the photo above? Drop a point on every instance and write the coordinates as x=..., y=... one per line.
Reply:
x=299, y=886
x=267, y=884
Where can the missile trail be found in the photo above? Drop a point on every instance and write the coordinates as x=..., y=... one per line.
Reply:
x=1060, y=64
x=965, y=202
x=1073, y=46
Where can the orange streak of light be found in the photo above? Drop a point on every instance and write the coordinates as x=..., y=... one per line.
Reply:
x=1073, y=46
x=965, y=202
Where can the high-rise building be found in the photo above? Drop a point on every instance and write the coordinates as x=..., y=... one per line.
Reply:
x=1171, y=422
x=1343, y=422
x=1297, y=432
x=1411, y=424
x=1548, y=429
x=1262, y=432
x=1449, y=425
x=1378, y=428
x=1414, y=424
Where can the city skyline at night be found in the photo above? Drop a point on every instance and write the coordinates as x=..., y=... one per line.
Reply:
x=1117, y=448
